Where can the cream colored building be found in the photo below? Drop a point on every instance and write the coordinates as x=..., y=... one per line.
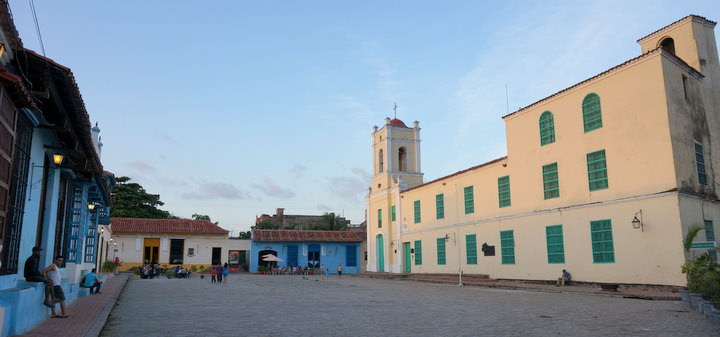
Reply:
x=173, y=242
x=634, y=141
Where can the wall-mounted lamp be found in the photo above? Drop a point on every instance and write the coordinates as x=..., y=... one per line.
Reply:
x=91, y=206
x=58, y=158
x=638, y=223
x=102, y=229
x=447, y=238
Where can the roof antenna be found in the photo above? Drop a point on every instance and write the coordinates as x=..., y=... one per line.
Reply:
x=507, y=100
x=395, y=109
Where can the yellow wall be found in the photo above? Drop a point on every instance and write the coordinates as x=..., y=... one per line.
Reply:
x=647, y=133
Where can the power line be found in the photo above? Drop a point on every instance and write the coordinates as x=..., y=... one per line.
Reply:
x=37, y=26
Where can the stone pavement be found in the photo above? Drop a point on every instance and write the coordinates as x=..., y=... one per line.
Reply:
x=262, y=305
x=87, y=314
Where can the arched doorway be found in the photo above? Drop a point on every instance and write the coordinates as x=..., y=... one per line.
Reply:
x=262, y=253
x=668, y=44
x=380, y=252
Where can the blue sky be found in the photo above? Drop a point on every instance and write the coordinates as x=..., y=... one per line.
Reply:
x=235, y=108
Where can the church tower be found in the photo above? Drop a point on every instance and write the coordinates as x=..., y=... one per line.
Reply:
x=396, y=167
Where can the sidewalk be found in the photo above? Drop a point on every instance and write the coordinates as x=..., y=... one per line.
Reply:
x=87, y=314
x=661, y=293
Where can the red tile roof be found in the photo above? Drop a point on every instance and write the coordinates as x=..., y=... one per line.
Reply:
x=180, y=226
x=397, y=123
x=269, y=235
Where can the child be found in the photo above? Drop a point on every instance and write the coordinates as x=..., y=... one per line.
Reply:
x=327, y=273
x=213, y=272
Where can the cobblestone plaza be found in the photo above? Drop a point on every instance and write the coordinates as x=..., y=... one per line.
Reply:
x=257, y=305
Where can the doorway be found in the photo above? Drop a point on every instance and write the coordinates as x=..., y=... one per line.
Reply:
x=216, y=256
x=262, y=253
x=314, y=256
x=152, y=251
x=406, y=249
x=380, y=252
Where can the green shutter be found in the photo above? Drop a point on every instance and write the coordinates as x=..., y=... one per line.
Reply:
x=441, y=251
x=418, y=252
x=602, y=241
x=547, y=128
x=379, y=217
x=700, y=162
x=555, y=244
x=597, y=170
x=471, y=248
x=592, y=117
x=392, y=213
x=504, y=191
x=469, y=200
x=416, y=205
x=709, y=231
x=439, y=206
x=551, y=184
x=507, y=247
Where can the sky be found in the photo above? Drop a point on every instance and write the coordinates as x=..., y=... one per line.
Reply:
x=236, y=108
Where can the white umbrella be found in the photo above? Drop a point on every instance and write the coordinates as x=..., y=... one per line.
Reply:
x=272, y=258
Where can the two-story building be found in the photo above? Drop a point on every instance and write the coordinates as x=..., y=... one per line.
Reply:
x=602, y=178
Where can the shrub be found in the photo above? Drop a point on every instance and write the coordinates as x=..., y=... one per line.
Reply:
x=169, y=273
x=108, y=266
x=703, y=276
x=193, y=269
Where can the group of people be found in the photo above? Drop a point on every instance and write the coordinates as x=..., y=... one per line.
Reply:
x=52, y=279
x=181, y=272
x=150, y=270
x=219, y=273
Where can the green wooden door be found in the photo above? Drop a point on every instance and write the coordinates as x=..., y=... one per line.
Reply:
x=406, y=245
x=380, y=253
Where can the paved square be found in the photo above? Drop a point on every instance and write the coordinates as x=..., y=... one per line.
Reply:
x=258, y=305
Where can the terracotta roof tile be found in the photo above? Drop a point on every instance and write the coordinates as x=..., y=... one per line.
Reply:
x=180, y=226
x=697, y=18
x=269, y=235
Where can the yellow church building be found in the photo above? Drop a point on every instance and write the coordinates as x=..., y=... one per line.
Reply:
x=602, y=178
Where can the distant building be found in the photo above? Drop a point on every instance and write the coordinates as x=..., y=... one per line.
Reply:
x=310, y=249
x=286, y=221
x=173, y=242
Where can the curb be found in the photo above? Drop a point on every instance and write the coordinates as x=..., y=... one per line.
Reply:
x=100, y=321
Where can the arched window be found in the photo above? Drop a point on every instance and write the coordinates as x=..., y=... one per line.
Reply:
x=592, y=118
x=380, y=161
x=668, y=44
x=547, y=128
x=402, y=156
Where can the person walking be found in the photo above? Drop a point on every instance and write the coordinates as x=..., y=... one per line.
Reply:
x=226, y=271
x=213, y=273
x=52, y=272
x=219, y=269
x=339, y=270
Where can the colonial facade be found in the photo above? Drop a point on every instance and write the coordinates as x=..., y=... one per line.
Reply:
x=54, y=193
x=173, y=242
x=602, y=178
x=311, y=249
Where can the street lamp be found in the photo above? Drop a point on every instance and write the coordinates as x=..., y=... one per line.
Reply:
x=638, y=223
x=58, y=158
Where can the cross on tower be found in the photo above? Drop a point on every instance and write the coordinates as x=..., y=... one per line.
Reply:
x=395, y=109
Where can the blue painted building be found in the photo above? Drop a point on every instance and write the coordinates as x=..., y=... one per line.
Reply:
x=53, y=191
x=310, y=249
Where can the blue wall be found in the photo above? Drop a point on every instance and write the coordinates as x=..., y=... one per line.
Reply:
x=331, y=254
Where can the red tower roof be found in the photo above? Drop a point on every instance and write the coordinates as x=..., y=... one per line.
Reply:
x=398, y=123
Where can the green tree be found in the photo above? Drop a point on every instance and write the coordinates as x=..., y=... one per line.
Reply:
x=196, y=216
x=130, y=200
x=266, y=225
x=333, y=222
x=245, y=235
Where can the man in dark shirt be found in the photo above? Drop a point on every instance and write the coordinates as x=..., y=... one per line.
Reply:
x=32, y=274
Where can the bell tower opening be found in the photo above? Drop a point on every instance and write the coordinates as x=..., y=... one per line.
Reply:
x=668, y=44
x=381, y=164
x=402, y=159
